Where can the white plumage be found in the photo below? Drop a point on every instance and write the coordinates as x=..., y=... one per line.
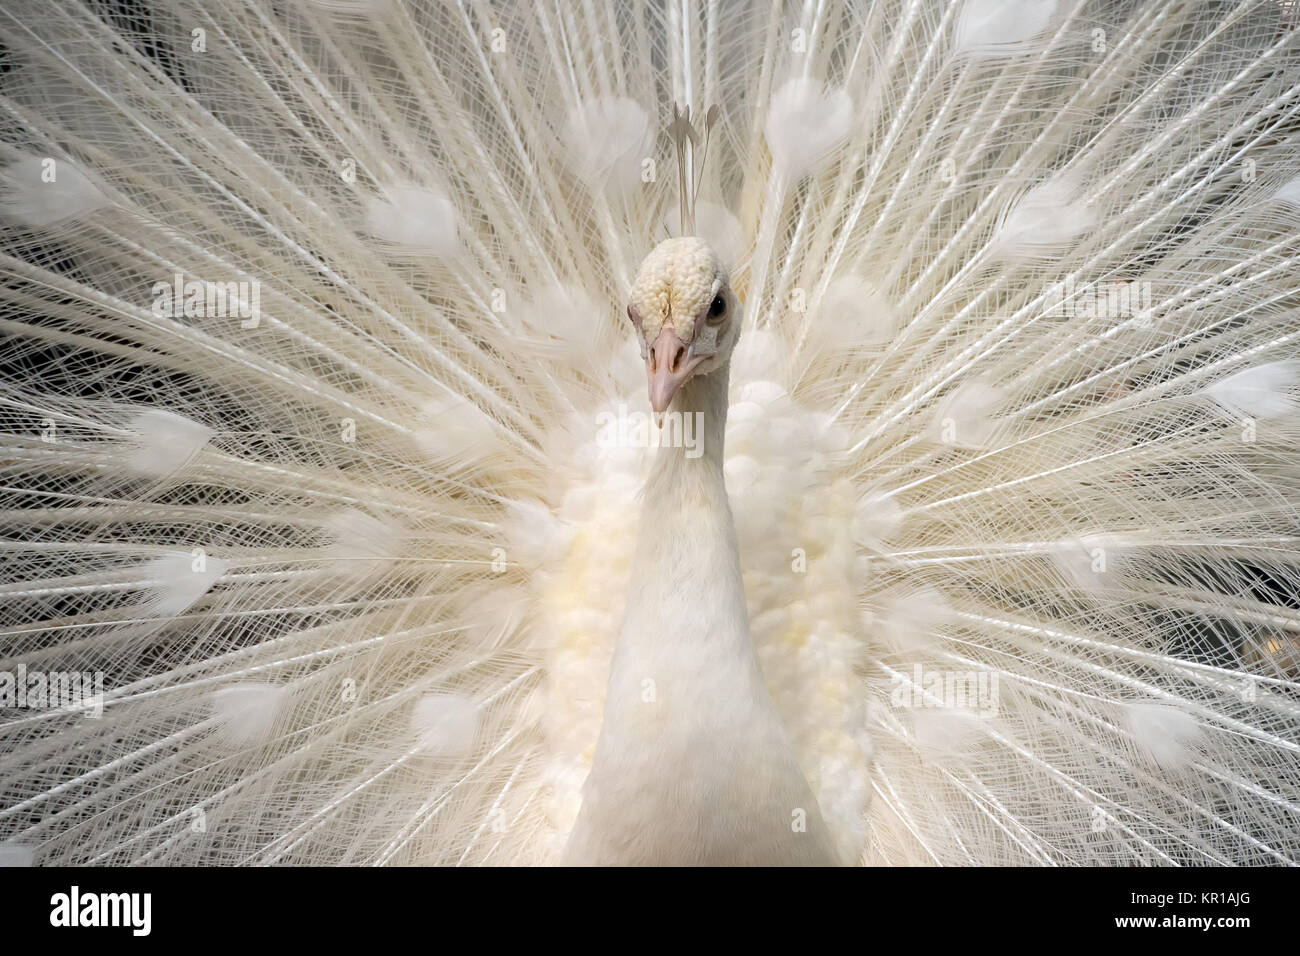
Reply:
x=177, y=580
x=989, y=555
x=413, y=220
x=64, y=193
x=246, y=713
x=805, y=124
x=1265, y=391
x=161, y=443
x=993, y=27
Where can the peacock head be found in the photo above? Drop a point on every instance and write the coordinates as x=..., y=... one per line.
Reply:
x=686, y=315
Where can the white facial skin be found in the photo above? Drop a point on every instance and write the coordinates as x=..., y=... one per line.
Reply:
x=685, y=314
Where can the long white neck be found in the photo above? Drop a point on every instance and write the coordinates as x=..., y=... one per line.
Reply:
x=686, y=587
x=693, y=765
x=705, y=399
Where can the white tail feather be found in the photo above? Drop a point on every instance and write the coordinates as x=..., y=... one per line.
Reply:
x=44, y=191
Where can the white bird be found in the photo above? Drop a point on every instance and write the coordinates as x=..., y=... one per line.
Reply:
x=693, y=765
x=337, y=526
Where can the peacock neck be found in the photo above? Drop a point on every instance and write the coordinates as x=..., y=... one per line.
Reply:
x=693, y=764
x=687, y=563
x=698, y=416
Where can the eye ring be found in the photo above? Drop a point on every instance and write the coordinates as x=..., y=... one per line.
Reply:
x=717, y=310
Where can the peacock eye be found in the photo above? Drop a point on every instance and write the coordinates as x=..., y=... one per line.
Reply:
x=717, y=310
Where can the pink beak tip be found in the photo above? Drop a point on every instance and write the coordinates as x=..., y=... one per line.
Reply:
x=664, y=380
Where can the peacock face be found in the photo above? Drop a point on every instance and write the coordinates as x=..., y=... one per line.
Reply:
x=685, y=314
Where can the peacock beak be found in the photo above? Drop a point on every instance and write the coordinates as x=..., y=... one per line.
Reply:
x=668, y=365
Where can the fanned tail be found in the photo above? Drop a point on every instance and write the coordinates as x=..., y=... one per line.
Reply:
x=320, y=435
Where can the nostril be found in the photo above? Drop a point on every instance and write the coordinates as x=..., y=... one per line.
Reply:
x=677, y=358
x=654, y=366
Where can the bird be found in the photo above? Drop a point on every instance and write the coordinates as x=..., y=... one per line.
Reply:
x=646, y=432
x=706, y=773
